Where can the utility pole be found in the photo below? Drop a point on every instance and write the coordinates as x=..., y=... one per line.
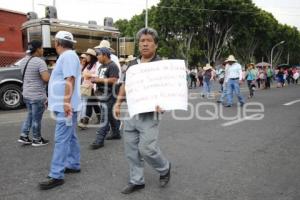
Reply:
x=146, y=17
x=32, y=5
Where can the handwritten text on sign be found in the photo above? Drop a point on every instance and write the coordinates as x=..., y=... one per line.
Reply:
x=161, y=83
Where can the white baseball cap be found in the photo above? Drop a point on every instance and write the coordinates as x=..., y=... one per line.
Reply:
x=65, y=35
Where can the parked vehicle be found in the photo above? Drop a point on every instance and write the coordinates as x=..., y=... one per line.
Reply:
x=11, y=87
x=87, y=35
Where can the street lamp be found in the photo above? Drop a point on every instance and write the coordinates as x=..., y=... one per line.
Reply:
x=279, y=43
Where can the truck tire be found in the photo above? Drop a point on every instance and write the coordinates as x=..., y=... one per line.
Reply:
x=10, y=96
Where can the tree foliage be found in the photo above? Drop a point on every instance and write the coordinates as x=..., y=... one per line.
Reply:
x=202, y=31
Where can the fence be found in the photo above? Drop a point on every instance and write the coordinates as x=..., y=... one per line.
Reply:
x=7, y=58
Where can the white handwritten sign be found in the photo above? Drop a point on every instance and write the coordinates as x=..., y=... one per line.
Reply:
x=161, y=83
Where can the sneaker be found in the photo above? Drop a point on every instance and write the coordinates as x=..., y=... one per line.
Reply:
x=130, y=188
x=228, y=105
x=83, y=126
x=51, y=183
x=41, y=142
x=24, y=140
x=164, y=180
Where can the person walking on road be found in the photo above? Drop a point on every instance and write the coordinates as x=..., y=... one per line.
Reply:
x=107, y=78
x=235, y=78
x=141, y=131
x=208, y=77
x=89, y=102
x=251, y=77
x=35, y=76
x=64, y=101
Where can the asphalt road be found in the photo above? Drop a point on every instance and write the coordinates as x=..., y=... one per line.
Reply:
x=238, y=159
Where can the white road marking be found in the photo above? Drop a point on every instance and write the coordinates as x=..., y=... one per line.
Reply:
x=251, y=117
x=292, y=102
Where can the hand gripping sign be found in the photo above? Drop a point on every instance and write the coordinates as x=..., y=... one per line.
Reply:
x=161, y=83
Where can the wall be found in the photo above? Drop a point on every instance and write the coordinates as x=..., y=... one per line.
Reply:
x=11, y=47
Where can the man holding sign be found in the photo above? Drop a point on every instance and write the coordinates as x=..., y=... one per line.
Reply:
x=141, y=130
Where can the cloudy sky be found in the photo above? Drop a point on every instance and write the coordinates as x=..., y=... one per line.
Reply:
x=286, y=11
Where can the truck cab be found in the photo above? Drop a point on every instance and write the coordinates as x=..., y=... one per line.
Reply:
x=87, y=35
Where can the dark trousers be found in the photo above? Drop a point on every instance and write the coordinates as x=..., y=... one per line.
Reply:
x=250, y=86
x=107, y=120
x=268, y=82
x=92, y=103
x=200, y=78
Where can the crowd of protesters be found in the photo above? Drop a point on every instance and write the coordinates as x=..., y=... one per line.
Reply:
x=254, y=76
x=79, y=85
x=95, y=81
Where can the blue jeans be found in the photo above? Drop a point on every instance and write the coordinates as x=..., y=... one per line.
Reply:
x=35, y=110
x=234, y=86
x=206, y=87
x=224, y=92
x=66, y=150
x=107, y=118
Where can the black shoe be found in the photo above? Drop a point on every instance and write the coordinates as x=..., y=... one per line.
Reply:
x=228, y=106
x=51, y=183
x=130, y=188
x=113, y=137
x=41, y=142
x=72, y=171
x=219, y=101
x=24, y=140
x=164, y=180
x=96, y=145
x=242, y=104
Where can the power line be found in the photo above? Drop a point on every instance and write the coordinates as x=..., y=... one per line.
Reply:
x=221, y=10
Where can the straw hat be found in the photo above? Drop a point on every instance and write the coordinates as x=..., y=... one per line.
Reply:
x=207, y=67
x=130, y=58
x=83, y=55
x=91, y=52
x=122, y=60
x=251, y=64
x=230, y=58
x=104, y=43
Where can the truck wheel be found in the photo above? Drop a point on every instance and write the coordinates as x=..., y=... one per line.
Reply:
x=10, y=97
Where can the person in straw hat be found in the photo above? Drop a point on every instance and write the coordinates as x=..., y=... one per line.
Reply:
x=224, y=84
x=251, y=75
x=234, y=79
x=83, y=62
x=208, y=77
x=89, y=102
